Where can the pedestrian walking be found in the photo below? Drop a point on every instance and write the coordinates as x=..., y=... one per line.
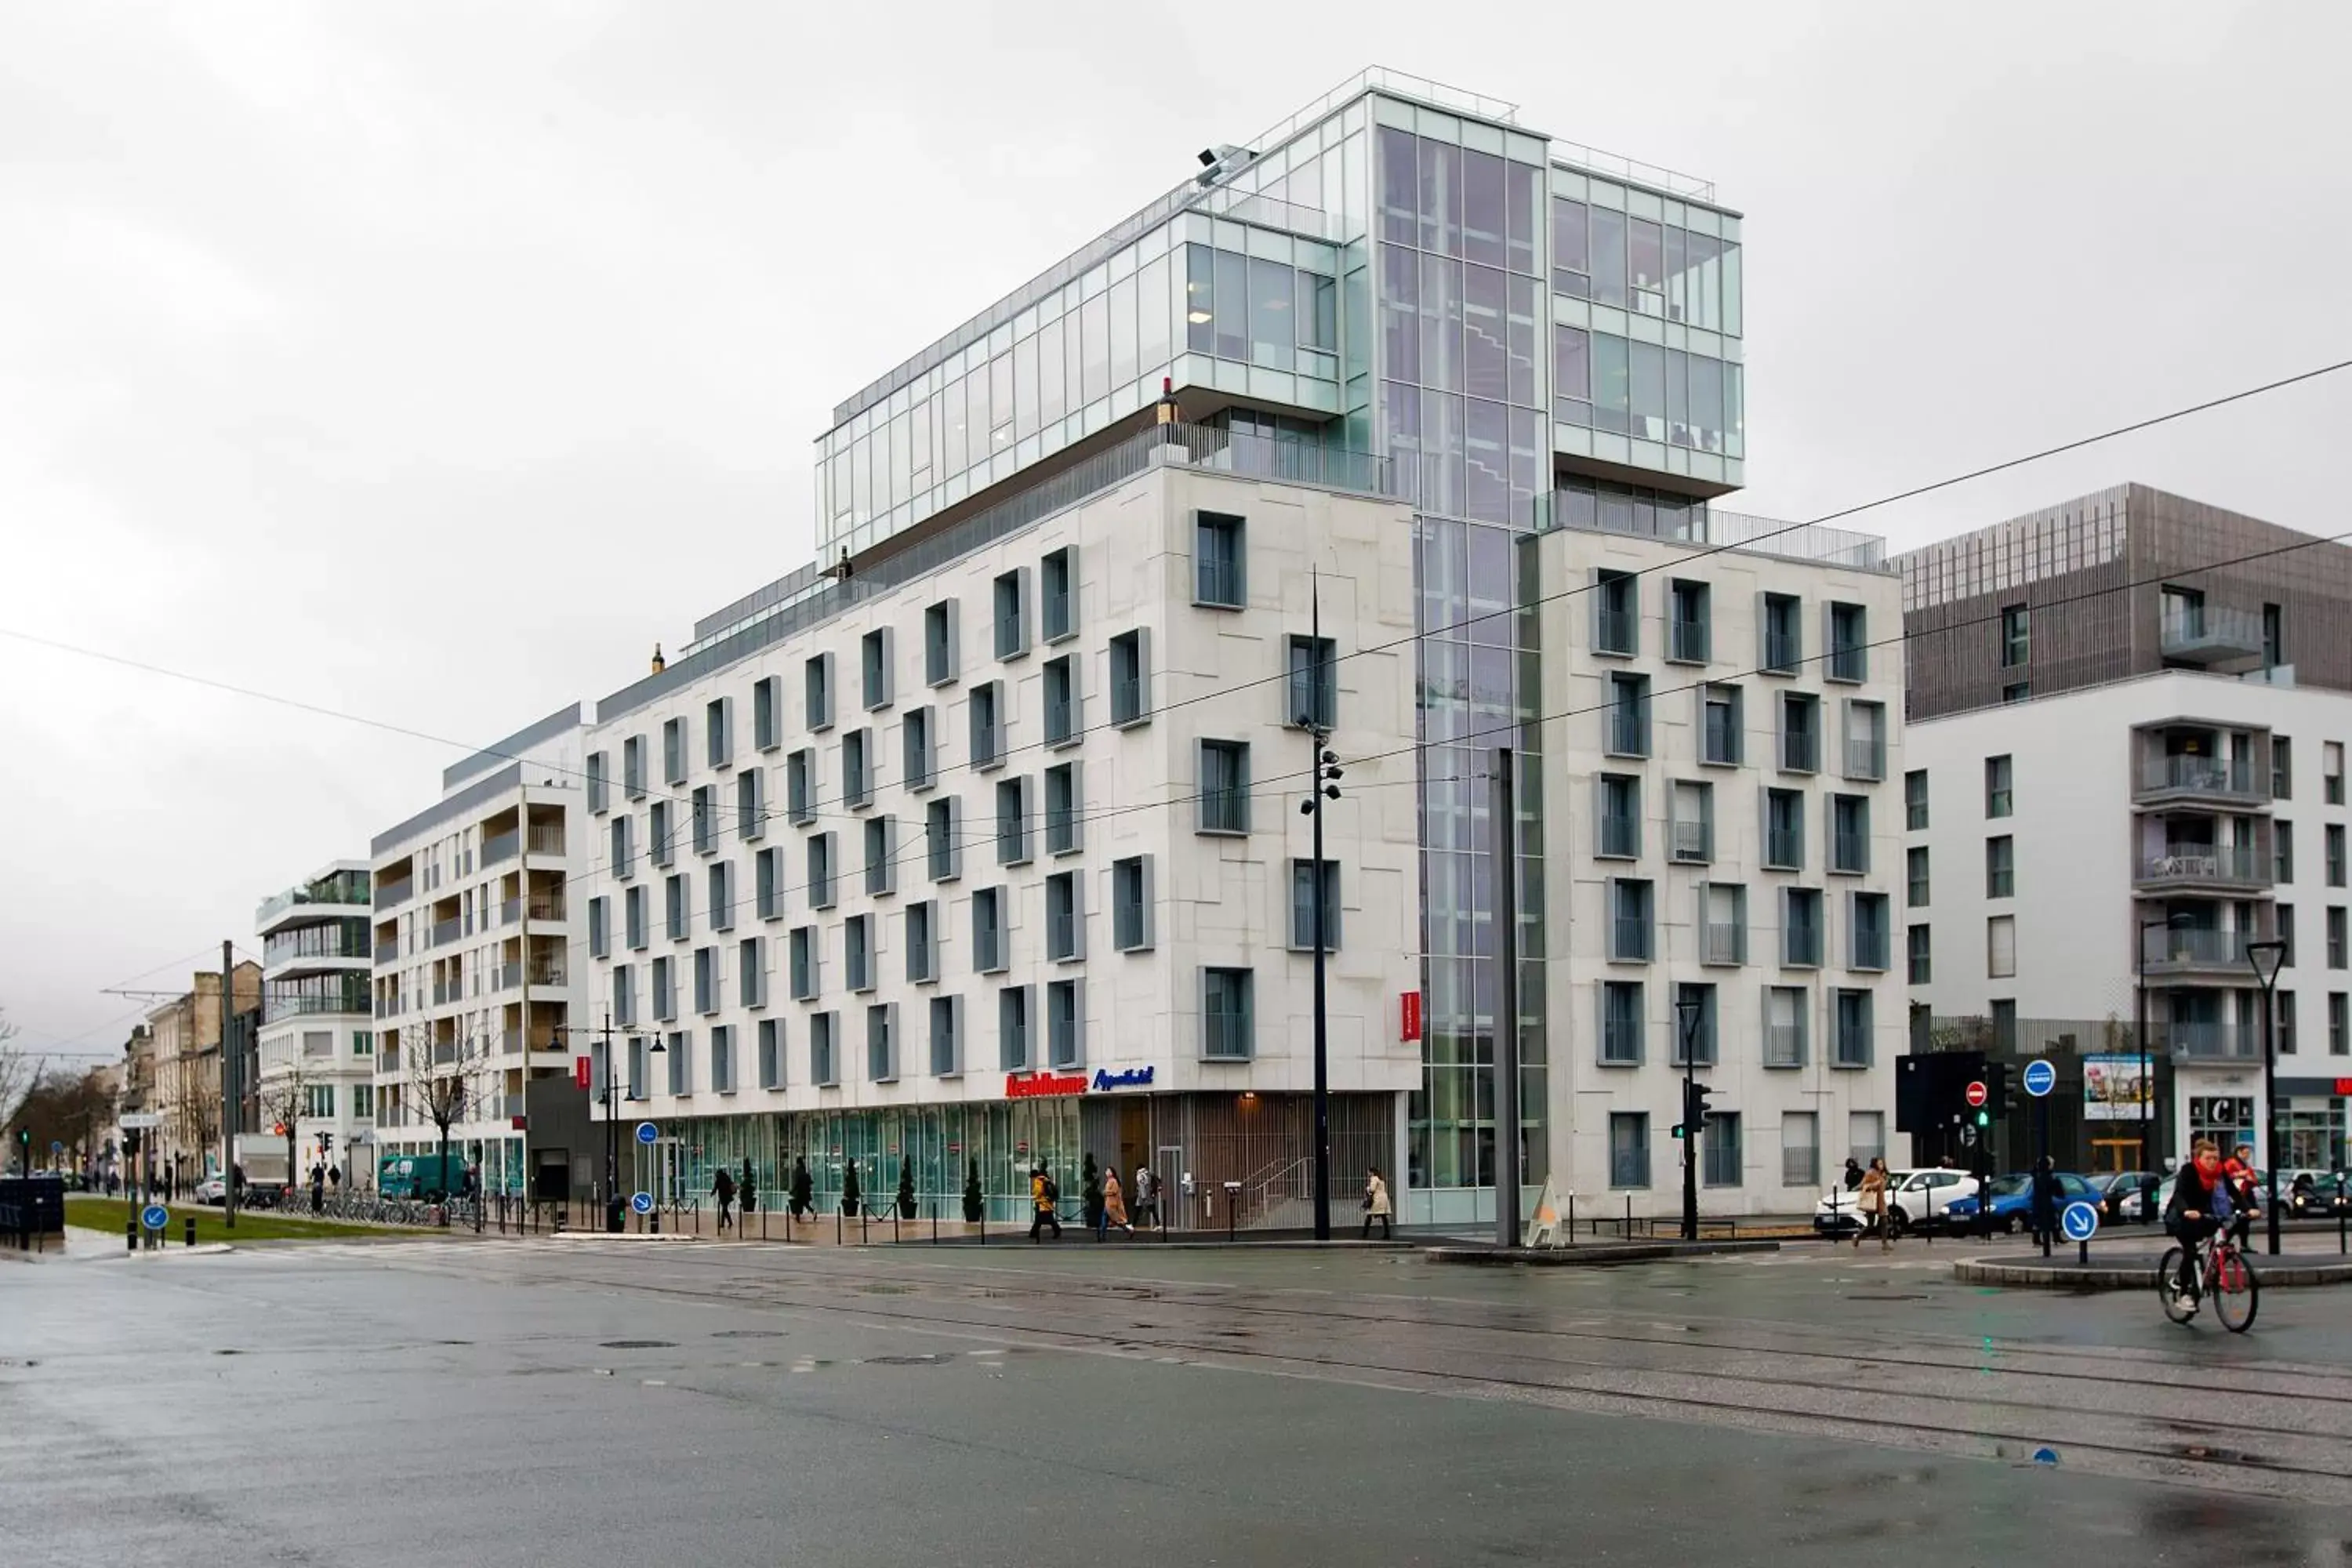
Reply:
x=1853, y=1173
x=750, y=1186
x=1377, y=1207
x=1042, y=1194
x=335, y=1177
x=318, y=1189
x=1114, y=1207
x=2044, y=1203
x=1870, y=1201
x=1147, y=1197
x=722, y=1187
x=802, y=1188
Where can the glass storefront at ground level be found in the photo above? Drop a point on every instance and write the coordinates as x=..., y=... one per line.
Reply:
x=1260, y=1141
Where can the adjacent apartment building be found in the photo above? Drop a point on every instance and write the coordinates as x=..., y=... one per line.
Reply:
x=316, y=1083
x=475, y=933
x=182, y=1084
x=976, y=843
x=2126, y=762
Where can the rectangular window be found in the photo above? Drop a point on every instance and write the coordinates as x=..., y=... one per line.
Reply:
x=1065, y=917
x=1784, y=1026
x=599, y=791
x=1801, y=927
x=2001, y=867
x=801, y=955
x=2285, y=916
x=1722, y=922
x=988, y=936
x=1919, y=955
x=1065, y=719
x=658, y=833
x=1306, y=890
x=721, y=891
x=625, y=850
x=751, y=971
x=1629, y=1148
x=625, y=1003
x=882, y=1042
x=1011, y=822
x=1784, y=634
x=1618, y=819
x=943, y=839
x=1850, y=834
x=1718, y=1147
x=1915, y=800
x=1689, y=632
x=633, y=767
x=750, y=804
x=674, y=750
x=722, y=1059
x=1130, y=904
x=2335, y=853
x=1065, y=1025
x=1224, y=775
x=1800, y=733
x=1848, y=644
x=2286, y=1022
x=1690, y=821
x=985, y=708
x=1998, y=795
x=820, y=871
x=1616, y=613
x=1851, y=1013
x=1057, y=595
x=677, y=919
x=873, y=668
x=706, y=980
x=1218, y=562
x=1722, y=727
x=1784, y=829
x=363, y=1102
x=633, y=904
x=817, y=686
x=2015, y=629
x=1064, y=824
x=939, y=652
x=2338, y=1005
x=825, y=1068
x=1866, y=740
x=2016, y=693
x=1872, y=919
x=1010, y=598
x=600, y=943
x=881, y=835
x=915, y=757
x=1916, y=859
x=718, y=733
x=1130, y=679
x=767, y=731
x=1312, y=695
x=2281, y=768
x=2336, y=937
x=2001, y=946
x=664, y=992
x=772, y=1053
x=856, y=773
x=706, y=820
x=947, y=1035
x=922, y=942
x=2282, y=851
x=1865, y=1136
x=1695, y=1025
x=768, y=883
x=1012, y=1028
x=1801, y=1149
x=1626, y=721
x=799, y=786
x=1228, y=1020
x=2331, y=772
x=1628, y=920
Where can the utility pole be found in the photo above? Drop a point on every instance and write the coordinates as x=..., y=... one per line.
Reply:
x=1326, y=772
x=613, y=1207
x=231, y=1090
x=1503, y=840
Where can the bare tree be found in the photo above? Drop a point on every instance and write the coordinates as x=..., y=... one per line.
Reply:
x=283, y=1101
x=17, y=1072
x=441, y=1083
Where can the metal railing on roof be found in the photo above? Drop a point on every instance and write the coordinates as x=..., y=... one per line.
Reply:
x=1159, y=445
x=1704, y=526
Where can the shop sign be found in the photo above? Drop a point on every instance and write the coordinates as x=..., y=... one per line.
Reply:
x=1410, y=1017
x=1127, y=1077
x=2344, y=1086
x=1039, y=1085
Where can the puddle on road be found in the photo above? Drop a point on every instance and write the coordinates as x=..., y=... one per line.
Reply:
x=905, y=1360
x=746, y=1333
x=639, y=1345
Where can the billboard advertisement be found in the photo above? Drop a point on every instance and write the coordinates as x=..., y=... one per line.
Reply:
x=2114, y=1089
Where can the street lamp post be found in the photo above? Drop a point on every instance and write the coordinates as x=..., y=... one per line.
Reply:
x=1311, y=717
x=1686, y=1013
x=613, y=1222
x=2148, y=1155
x=2266, y=957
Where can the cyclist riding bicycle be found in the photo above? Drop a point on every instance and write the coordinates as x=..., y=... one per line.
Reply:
x=2199, y=1208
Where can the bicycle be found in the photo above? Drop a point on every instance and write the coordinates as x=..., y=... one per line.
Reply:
x=2224, y=1273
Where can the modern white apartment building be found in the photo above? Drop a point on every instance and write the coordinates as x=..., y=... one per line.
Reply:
x=1722, y=845
x=2163, y=784
x=317, y=1066
x=475, y=934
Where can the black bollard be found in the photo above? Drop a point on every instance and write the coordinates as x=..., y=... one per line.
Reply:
x=192, y=1230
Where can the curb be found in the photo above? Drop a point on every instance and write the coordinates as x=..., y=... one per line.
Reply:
x=1590, y=1257
x=2034, y=1275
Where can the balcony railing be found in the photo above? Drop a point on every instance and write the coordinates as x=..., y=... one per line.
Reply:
x=547, y=907
x=511, y=1043
x=1691, y=841
x=1722, y=941
x=1850, y=852
x=1631, y=940
x=1784, y=1045
x=1628, y=735
x=2210, y=1042
x=2206, y=864
x=1620, y=836
x=1799, y=753
x=1784, y=847
x=445, y=932
x=2213, y=635
x=2210, y=776
x=1865, y=759
x=1614, y=631
x=1799, y=1166
x=1849, y=661
x=505, y=976
x=1870, y=949
x=547, y=838
x=2170, y=950
x=501, y=846
x=388, y=951
x=1687, y=640
x=549, y=974
x=448, y=991
x=387, y=894
x=1783, y=651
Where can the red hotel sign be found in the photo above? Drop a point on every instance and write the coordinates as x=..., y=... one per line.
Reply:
x=1037, y=1085
x=1410, y=1017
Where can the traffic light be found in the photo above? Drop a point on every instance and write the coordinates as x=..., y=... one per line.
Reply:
x=1695, y=1106
x=1996, y=1081
x=327, y=1141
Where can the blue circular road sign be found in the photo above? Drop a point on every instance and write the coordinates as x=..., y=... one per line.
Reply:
x=2041, y=1078
x=647, y=1133
x=2081, y=1221
x=155, y=1216
x=643, y=1202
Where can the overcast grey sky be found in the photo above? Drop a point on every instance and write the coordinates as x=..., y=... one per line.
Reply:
x=431, y=362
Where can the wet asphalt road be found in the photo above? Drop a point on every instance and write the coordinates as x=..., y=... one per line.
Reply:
x=677, y=1404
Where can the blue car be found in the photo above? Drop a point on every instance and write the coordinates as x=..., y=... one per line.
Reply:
x=2013, y=1202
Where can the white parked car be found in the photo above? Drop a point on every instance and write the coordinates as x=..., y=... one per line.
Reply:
x=1916, y=1199
x=211, y=1190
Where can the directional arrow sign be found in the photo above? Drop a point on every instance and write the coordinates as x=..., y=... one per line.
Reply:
x=155, y=1216
x=1976, y=1094
x=643, y=1202
x=2080, y=1221
x=2041, y=1078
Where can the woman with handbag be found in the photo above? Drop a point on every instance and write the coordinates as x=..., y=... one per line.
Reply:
x=1871, y=1204
x=1376, y=1206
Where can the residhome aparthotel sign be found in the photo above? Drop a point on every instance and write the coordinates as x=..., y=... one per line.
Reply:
x=1040, y=1085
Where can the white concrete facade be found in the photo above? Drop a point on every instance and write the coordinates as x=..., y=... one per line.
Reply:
x=2204, y=800
x=477, y=933
x=1214, y=903
x=1659, y=806
x=317, y=1054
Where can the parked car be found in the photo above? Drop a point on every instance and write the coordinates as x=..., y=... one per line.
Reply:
x=211, y=1190
x=1916, y=1200
x=2011, y=1200
x=2121, y=1192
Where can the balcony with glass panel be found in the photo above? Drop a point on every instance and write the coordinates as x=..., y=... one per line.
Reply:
x=2192, y=765
x=2209, y=636
x=2197, y=953
x=2179, y=866
x=2199, y=1040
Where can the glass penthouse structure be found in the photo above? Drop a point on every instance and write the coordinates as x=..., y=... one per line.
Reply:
x=1522, y=332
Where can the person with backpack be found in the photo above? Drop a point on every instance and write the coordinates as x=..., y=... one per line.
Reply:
x=1044, y=1194
x=722, y=1187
